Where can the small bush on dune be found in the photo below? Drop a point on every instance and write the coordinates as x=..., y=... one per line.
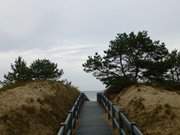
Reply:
x=40, y=69
x=45, y=70
x=20, y=73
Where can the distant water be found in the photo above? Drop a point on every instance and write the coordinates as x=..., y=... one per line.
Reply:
x=92, y=95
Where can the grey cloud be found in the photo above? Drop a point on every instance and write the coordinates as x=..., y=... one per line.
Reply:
x=41, y=23
x=67, y=31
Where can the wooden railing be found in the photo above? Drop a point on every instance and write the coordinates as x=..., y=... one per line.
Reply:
x=70, y=123
x=119, y=119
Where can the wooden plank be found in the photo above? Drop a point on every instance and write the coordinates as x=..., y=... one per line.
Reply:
x=92, y=121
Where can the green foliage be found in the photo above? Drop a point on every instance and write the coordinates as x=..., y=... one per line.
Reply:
x=45, y=69
x=174, y=63
x=20, y=72
x=39, y=70
x=133, y=58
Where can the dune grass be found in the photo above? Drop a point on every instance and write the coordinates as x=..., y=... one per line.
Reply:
x=36, y=107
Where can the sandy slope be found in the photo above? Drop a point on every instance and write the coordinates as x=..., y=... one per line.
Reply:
x=36, y=108
x=156, y=111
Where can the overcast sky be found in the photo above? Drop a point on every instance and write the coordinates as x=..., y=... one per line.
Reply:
x=67, y=31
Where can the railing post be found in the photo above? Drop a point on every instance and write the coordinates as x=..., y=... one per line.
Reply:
x=132, y=127
x=109, y=111
x=78, y=107
x=120, y=122
x=98, y=98
x=75, y=115
x=113, y=115
x=70, y=124
x=63, y=125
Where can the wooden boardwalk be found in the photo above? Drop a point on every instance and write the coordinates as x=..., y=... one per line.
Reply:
x=92, y=120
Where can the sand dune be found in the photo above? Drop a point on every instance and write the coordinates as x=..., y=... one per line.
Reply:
x=36, y=108
x=155, y=110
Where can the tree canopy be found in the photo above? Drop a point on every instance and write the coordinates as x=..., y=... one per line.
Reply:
x=40, y=69
x=134, y=58
x=45, y=69
x=20, y=72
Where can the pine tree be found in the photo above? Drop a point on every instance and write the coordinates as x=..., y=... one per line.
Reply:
x=130, y=58
x=45, y=70
x=20, y=72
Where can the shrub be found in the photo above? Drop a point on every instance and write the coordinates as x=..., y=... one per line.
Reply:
x=45, y=70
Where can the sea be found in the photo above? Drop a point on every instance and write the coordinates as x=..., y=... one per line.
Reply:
x=92, y=95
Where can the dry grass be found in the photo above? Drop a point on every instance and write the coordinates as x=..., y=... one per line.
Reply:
x=156, y=111
x=35, y=108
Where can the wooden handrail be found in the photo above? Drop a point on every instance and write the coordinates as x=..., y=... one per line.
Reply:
x=119, y=119
x=70, y=123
